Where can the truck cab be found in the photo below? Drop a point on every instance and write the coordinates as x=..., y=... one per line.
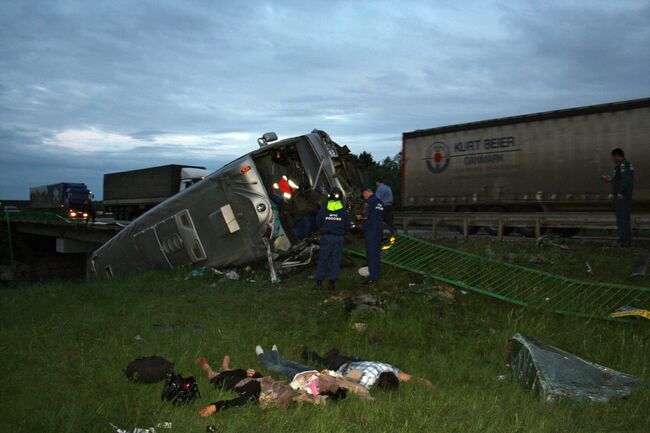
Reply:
x=191, y=176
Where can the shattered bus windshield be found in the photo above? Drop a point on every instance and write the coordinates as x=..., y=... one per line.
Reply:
x=292, y=177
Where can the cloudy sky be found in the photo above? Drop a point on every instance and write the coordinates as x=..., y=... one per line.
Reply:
x=88, y=87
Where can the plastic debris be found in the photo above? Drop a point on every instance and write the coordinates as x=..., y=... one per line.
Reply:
x=502, y=377
x=201, y=272
x=589, y=270
x=138, y=338
x=364, y=272
x=232, y=275
x=626, y=311
x=555, y=374
x=546, y=240
x=135, y=430
x=164, y=425
x=117, y=429
x=360, y=326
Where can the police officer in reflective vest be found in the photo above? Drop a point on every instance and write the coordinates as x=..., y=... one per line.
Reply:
x=333, y=221
x=622, y=186
x=373, y=227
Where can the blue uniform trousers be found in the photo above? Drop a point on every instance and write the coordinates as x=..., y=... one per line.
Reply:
x=373, y=253
x=331, y=251
x=622, y=207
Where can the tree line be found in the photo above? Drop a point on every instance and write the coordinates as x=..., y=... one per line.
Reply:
x=389, y=170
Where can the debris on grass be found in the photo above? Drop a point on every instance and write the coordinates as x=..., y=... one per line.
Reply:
x=627, y=311
x=335, y=298
x=445, y=293
x=360, y=326
x=232, y=275
x=545, y=240
x=364, y=272
x=555, y=374
x=589, y=270
x=202, y=272
x=354, y=302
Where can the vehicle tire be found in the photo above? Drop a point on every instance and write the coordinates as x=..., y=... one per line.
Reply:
x=494, y=231
x=529, y=232
x=472, y=230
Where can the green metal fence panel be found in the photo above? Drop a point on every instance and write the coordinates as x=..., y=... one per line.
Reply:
x=512, y=283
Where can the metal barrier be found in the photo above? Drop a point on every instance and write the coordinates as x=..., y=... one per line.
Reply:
x=511, y=283
x=500, y=221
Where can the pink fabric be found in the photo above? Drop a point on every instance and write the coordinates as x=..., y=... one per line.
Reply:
x=313, y=386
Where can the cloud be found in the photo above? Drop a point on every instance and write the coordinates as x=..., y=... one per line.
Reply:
x=89, y=87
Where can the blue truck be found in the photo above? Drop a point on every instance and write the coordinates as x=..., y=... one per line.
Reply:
x=68, y=197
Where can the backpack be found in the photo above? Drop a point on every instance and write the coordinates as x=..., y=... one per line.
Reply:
x=149, y=369
x=179, y=389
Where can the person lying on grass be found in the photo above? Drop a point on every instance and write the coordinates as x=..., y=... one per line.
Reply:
x=366, y=373
x=306, y=379
x=253, y=387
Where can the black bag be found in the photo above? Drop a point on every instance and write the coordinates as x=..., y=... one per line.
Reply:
x=179, y=389
x=150, y=369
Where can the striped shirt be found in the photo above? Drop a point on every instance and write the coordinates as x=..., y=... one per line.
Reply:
x=370, y=371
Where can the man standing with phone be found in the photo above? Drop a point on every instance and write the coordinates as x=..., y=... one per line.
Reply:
x=622, y=182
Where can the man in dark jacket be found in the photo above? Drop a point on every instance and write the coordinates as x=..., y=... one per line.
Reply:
x=373, y=226
x=622, y=186
x=333, y=221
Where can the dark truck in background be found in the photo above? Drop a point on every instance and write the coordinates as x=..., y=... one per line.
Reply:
x=68, y=197
x=129, y=194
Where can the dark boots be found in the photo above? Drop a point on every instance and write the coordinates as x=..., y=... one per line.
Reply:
x=331, y=285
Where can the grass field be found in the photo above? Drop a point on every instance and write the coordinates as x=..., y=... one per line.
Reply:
x=64, y=347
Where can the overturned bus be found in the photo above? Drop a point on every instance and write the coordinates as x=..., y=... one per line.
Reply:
x=259, y=207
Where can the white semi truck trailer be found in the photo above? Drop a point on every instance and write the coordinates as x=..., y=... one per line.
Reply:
x=550, y=161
